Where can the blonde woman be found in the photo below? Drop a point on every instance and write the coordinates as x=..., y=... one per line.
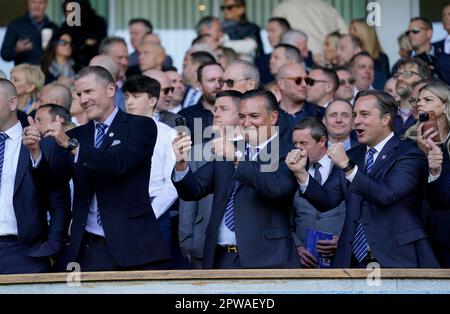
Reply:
x=28, y=80
x=328, y=56
x=371, y=44
x=435, y=97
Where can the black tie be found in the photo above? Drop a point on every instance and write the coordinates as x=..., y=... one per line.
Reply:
x=317, y=175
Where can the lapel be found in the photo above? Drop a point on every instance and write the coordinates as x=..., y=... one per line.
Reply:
x=22, y=166
x=385, y=154
x=116, y=127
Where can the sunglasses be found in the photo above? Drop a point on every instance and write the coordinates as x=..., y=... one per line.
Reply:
x=414, y=31
x=230, y=83
x=406, y=74
x=63, y=42
x=229, y=7
x=168, y=90
x=349, y=81
x=309, y=81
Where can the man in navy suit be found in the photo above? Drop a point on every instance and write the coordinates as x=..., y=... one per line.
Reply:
x=442, y=48
x=27, y=239
x=109, y=159
x=250, y=219
x=386, y=179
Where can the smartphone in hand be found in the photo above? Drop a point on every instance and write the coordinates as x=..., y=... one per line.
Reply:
x=429, y=122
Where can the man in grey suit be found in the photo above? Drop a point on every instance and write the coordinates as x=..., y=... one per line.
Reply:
x=311, y=135
x=194, y=215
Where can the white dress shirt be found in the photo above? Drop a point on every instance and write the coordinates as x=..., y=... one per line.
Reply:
x=163, y=161
x=325, y=168
x=225, y=235
x=8, y=222
x=91, y=224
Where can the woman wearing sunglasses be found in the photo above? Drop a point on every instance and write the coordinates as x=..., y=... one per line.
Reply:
x=57, y=61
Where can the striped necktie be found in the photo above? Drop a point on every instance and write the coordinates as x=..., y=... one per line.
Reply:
x=359, y=240
x=3, y=138
x=101, y=128
x=229, y=209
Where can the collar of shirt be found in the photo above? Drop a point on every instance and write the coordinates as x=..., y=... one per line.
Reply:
x=379, y=147
x=261, y=146
x=109, y=120
x=15, y=132
x=325, y=162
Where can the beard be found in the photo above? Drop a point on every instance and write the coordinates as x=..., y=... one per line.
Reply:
x=403, y=90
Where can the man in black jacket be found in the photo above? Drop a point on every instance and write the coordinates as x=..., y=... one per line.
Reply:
x=24, y=36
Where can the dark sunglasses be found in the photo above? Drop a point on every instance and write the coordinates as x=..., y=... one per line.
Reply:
x=414, y=31
x=230, y=83
x=168, y=90
x=63, y=42
x=349, y=81
x=229, y=7
x=309, y=81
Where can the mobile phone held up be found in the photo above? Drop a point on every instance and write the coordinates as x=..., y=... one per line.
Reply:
x=180, y=124
x=429, y=122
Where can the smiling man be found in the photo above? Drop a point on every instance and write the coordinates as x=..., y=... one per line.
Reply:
x=386, y=178
x=114, y=225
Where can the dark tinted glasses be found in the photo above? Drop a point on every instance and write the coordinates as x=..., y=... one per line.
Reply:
x=230, y=83
x=308, y=81
x=349, y=82
x=229, y=7
x=167, y=90
x=63, y=42
x=414, y=31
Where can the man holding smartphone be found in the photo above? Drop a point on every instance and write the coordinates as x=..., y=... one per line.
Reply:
x=23, y=38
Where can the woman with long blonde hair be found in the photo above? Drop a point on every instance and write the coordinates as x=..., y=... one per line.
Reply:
x=371, y=44
x=435, y=97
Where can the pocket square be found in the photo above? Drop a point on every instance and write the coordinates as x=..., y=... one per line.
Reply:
x=115, y=142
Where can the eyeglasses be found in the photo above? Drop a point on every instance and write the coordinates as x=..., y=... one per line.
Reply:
x=63, y=42
x=414, y=31
x=230, y=83
x=168, y=90
x=308, y=81
x=406, y=74
x=349, y=81
x=229, y=7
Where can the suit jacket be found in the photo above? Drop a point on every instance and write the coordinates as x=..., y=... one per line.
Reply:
x=194, y=217
x=119, y=174
x=32, y=201
x=307, y=216
x=442, y=61
x=262, y=209
x=388, y=203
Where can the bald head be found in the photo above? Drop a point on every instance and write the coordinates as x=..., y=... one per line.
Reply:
x=108, y=63
x=151, y=56
x=57, y=94
x=7, y=88
x=291, y=70
x=8, y=105
x=166, y=91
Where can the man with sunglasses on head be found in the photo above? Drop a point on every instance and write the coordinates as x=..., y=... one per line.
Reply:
x=323, y=83
x=241, y=76
x=409, y=73
x=420, y=31
x=161, y=112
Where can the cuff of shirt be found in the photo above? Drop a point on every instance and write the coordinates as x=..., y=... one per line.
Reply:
x=432, y=178
x=304, y=186
x=352, y=175
x=179, y=175
x=36, y=163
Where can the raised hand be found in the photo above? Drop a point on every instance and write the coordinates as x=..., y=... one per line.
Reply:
x=296, y=161
x=181, y=146
x=56, y=130
x=337, y=154
x=435, y=158
x=31, y=138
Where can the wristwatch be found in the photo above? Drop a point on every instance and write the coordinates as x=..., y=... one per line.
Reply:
x=350, y=165
x=73, y=143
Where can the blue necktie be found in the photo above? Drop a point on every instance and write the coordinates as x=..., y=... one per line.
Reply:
x=101, y=128
x=359, y=239
x=3, y=138
x=229, y=209
x=317, y=175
